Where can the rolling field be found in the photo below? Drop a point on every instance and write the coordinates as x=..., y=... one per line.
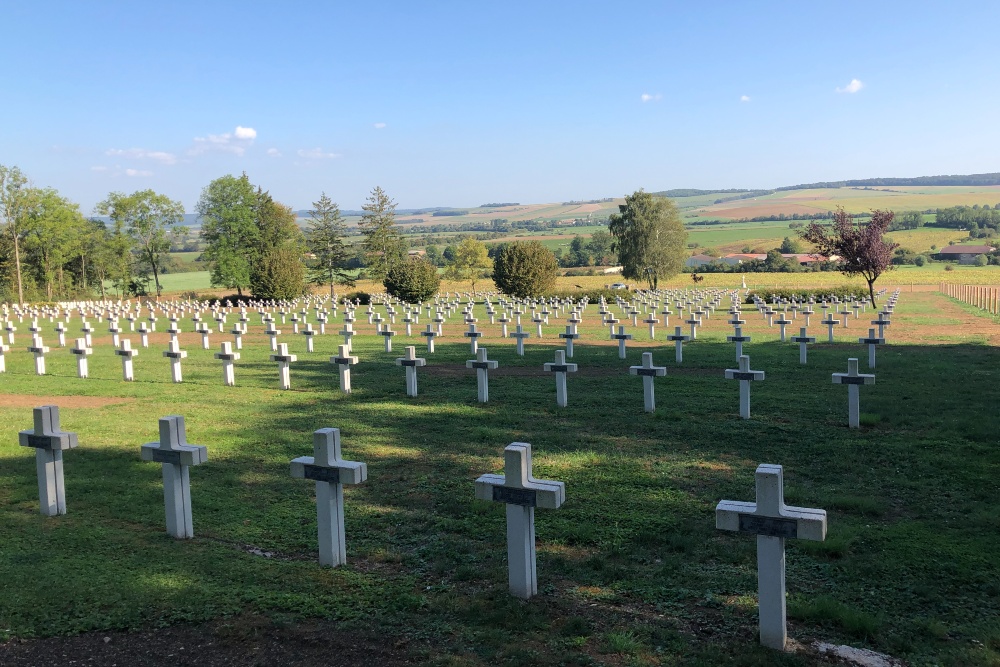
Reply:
x=631, y=570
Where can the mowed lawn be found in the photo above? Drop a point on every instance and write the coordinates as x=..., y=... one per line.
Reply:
x=631, y=569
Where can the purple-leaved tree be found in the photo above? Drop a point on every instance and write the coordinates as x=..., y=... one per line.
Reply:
x=861, y=249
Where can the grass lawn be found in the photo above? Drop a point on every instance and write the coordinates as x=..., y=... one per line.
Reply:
x=631, y=569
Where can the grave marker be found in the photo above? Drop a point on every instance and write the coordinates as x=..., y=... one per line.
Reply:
x=648, y=371
x=560, y=368
x=483, y=366
x=745, y=376
x=871, y=341
x=126, y=352
x=853, y=380
x=678, y=339
x=802, y=339
x=330, y=472
x=521, y=493
x=344, y=361
x=174, y=353
x=176, y=457
x=38, y=349
x=411, y=362
x=49, y=441
x=284, y=359
x=227, y=356
x=621, y=337
x=773, y=522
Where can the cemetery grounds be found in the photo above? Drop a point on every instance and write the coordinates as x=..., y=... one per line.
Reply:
x=631, y=570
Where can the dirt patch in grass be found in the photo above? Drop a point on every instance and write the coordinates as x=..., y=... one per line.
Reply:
x=247, y=640
x=32, y=401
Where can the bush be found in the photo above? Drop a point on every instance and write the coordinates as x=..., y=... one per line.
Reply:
x=594, y=294
x=981, y=260
x=278, y=275
x=413, y=280
x=919, y=260
x=841, y=292
x=949, y=267
x=524, y=269
x=361, y=298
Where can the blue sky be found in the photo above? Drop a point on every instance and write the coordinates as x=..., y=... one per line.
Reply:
x=464, y=103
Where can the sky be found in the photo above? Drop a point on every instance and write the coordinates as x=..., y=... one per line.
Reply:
x=466, y=103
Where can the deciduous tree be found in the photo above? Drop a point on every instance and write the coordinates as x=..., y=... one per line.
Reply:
x=649, y=238
x=147, y=217
x=862, y=249
x=524, y=269
x=227, y=208
x=413, y=280
x=16, y=197
x=472, y=262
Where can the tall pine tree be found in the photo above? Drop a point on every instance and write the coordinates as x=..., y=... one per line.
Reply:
x=325, y=239
x=384, y=247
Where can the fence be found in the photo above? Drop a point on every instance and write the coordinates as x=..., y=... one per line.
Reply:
x=986, y=298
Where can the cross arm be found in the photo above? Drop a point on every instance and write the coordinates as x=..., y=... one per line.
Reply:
x=846, y=378
x=792, y=522
x=343, y=472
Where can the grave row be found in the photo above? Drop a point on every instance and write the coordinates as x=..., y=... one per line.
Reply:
x=768, y=518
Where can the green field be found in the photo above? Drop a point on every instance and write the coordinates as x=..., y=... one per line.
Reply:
x=631, y=569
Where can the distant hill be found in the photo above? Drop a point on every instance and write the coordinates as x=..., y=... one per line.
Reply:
x=968, y=179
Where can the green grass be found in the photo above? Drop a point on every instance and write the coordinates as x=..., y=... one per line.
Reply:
x=631, y=569
x=190, y=281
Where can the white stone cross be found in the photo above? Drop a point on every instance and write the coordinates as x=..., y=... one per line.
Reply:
x=739, y=339
x=429, y=334
x=648, y=371
x=309, y=334
x=237, y=333
x=126, y=352
x=11, y=329
x=503, y=320
x=330, y=472
x=176, y=457
x=49, y=442
x=173, y=329
x=772, y=522
x=174, y=353
x=782, y=323
x=679, y=340
x=61, y=333
x=411, y=362
x=694, y=323
x=520, y=335
x=802, y=339
x=273, y=334
x=284, y=359
x=745, y=376
x=473, y=337
x=114, y=330
x=560, y=368
x=483, y=366
x=521, y=493
x=344, y=361
x=4, y=349
x=143, y=335
x=570, y=336
x=871, y=341
x=387, y=334
x=227, y=356
x=205, y=333
x=38, y=349
x=621, y=337
x=830, y=321
x=652, y=322
x=81, y=351
x=853, y=379
x=882, y=322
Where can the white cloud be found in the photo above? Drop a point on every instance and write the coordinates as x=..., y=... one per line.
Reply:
x=142, y=154
x=854, y=86
x=744, y=98
x=379, y=126
x=316, y=154
x=646, y=97
x=138, y=172
x=235, y=142
x=273, y=152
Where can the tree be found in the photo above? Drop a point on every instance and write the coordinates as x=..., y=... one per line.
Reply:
x=276, y=269
x=524, y=269
x=147, y=218
x=862, y=249
x=325, y=240
x=384, y=247
x=650, y=238
x=227, y=209
x=601, y=248
x=578, y=253
x=908, y=220
x=15, y=203
x=790, y=246
x=413, y=280
x=472, y=262
x=54, y=237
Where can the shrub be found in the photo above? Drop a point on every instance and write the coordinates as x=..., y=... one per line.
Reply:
x=524, y=269
x=820, y=293
x=919, y=260
x=981, y=260
x=949, y=267
x=362, y=298
x=412, y=280
x=279, y=275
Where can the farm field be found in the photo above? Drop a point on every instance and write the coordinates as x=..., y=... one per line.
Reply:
x=631, y=570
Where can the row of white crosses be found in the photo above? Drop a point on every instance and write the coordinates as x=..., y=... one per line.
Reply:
x=768, y=518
